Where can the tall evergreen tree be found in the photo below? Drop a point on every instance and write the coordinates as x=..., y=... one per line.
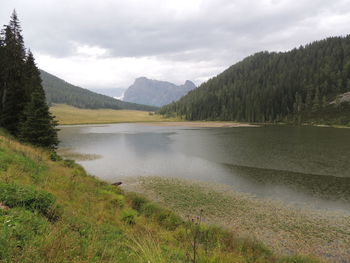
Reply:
x=23, y=108
x=32, y=77
x=2, y=70
x=13, y=99
x=37, y=124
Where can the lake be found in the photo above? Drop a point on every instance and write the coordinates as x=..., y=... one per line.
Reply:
x=299, y=165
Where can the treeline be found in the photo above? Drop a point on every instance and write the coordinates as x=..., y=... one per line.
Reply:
x=61, y=92
x=23, y=109
x=269, y=87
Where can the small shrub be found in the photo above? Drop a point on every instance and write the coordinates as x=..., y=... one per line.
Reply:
x=169, y=220
x=68, y=163
x=150, y=209
x=4, y=248
x=108, y=232
x=254, y=250
x=18, y=228
x=54, y=156
x=79, y=171
x=128, y=216
x=181, y=234
x=137, y=201
x=27, y=197
x=79, y=225
x=5, y=160
x=298, y=259
x=115, y=199
x=54, y=213
x=118, y=201
x=214, y=236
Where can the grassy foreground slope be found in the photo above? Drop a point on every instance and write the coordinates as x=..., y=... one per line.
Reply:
x=66, y=114
x=52, y=211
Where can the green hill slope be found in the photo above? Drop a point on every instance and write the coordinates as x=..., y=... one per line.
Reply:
x=292, y=86
x=59, y=91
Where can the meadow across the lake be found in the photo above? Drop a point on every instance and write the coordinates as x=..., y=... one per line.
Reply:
x=67, y=115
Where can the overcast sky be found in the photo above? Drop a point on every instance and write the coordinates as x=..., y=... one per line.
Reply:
x=109, y=43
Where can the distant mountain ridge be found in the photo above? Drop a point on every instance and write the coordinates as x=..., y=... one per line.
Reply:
x=61, y=92
x=157, y=93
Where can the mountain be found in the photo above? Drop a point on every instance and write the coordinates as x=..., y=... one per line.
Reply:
x=155, y=92
x=298, y=85
x=61, y=92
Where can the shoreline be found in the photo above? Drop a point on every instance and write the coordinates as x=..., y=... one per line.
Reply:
x=202, y=124
x=283, y=227
x=69, y=115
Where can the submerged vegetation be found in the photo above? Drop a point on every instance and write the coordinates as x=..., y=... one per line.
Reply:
x=285, y=229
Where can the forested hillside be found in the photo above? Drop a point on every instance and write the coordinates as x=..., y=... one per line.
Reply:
x=299, y=85
x=61, y=92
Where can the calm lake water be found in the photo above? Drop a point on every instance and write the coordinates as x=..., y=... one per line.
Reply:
x=302, y=165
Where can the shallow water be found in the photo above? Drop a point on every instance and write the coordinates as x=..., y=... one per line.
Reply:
x=302, y=165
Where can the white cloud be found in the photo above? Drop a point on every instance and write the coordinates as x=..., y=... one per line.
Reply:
x=94, y=72
x=90, y=51
x=108, y=43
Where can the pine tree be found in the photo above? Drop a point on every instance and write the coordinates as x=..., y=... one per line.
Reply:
x=23, y=108
x=38, y=126
x=32, y=77
x=316, y=101
x=2, y=70
x=13, y=99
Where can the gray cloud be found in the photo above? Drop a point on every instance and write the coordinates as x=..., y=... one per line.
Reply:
x=219, y=32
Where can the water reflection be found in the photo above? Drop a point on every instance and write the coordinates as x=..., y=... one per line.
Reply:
x=295, y=164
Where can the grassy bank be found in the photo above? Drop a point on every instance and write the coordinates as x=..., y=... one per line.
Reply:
x=286, y=229
x=66, y=114
x=52, y=211
x=69, y=115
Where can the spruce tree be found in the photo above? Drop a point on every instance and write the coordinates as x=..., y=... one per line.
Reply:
x=13, y=99
x=37, y=124
x=32, y=77
x=2, y=70
x=23, y=108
